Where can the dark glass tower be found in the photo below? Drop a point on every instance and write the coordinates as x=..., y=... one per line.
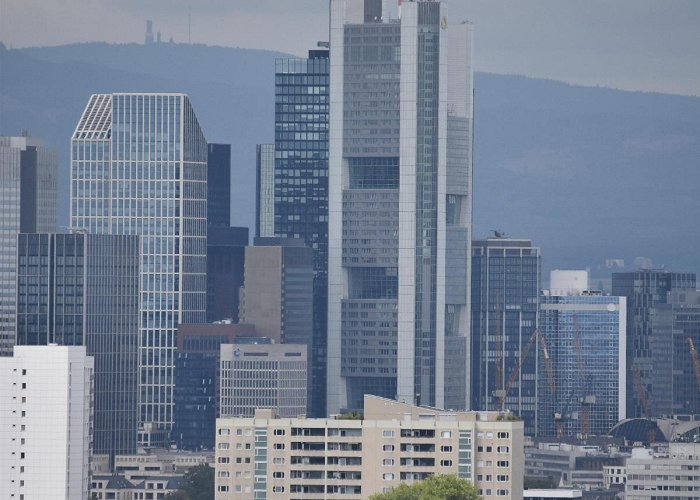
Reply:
x=505, y=307
x=225, y=263
x=650, y=360
x=301, y=183
x=219, y=185
x=28, y=174
x=83, y=289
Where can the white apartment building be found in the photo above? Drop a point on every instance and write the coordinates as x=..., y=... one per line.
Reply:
x=674, y=474
x=267, y=457
x=46, y=423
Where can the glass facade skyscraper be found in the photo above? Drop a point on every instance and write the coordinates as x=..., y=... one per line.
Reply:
x=219, y=185
x=582, y=384
x=399, y=205
x=139, y=166
x=265, y=191
x=28, y=177
x=505, y=307
x=650, y=338
x=82, y=289
x=300, y=207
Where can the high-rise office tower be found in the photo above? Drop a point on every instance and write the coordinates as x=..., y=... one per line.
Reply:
x=219, y=185
x=82, y=289
x=650, y=343
x=225, y=263
x=28, y=176
x=399, y=205
x=46, y=422
x=505, y=307
x=265, y=191
x=684, y=310
x=139, y=166
x=278, y=295
x=300, y=183
x=581, y=386
x=225, y=244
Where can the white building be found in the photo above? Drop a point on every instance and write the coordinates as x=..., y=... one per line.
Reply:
x=45, y=423
x=664, y=475
x=263, y=376
x=399, y=204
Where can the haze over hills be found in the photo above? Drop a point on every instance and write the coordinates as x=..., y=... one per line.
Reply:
x=588, y=173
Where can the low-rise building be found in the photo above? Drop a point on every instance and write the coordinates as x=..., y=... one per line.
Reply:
x=263, y=376
x=116, y=487
x=288, y=458
x=558, y=494
x=153, y=463
x=674, y=473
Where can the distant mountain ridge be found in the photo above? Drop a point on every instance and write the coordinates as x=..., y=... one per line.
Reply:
x=588, y=173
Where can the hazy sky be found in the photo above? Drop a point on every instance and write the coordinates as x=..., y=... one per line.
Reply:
x=629, y=44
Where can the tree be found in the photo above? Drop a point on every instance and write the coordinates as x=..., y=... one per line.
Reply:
x=443, y=487
x=197, y=484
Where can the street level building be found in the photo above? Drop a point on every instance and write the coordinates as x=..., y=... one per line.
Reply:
x=46, y=423
x=28, y=180
x=269, y=457
x=400, y=205
x=673, y=474
x=139, y=167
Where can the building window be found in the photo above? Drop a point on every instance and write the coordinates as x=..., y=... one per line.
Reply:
x=388, y=476
x=388, y=462
x=502, y=463
x=388, y=434
x=446, y=434
x=445, y=449
x=388, y=447
x=445, y=463
x=503, y=435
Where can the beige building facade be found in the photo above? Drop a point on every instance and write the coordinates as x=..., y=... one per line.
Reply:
x=266, y=457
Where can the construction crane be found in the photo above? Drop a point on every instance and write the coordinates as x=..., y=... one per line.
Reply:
x=696, y=362
x=639, y=389
x=514, y=374
x=587, y=400
x=551, y=382
x=499, y=392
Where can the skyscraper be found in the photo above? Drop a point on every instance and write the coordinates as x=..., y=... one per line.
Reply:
x=28, y=177
x=301, y=183
x=650, y=343
x=399, y=205
x=225, y=264
x=46, y=422
x=265, y=191
x=219, y=185
x=505, y=306
x=139, y=166
x=581, y=386
x=82, y=290
x=278, y=295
